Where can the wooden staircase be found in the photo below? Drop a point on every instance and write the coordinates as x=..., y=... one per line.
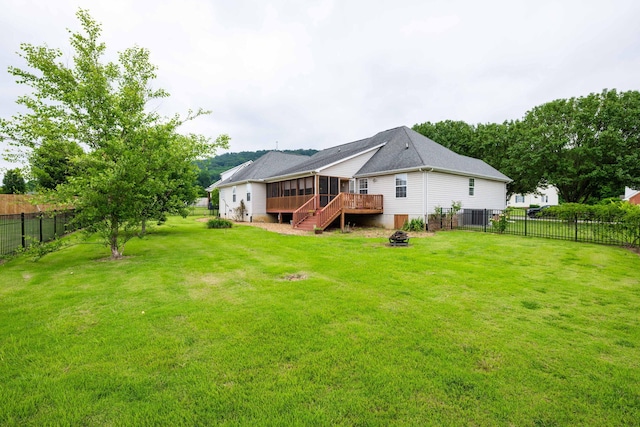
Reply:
x=309, y=223
x=310, y=215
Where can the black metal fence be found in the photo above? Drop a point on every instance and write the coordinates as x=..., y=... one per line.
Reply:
x=578, y=227
x=23, y=230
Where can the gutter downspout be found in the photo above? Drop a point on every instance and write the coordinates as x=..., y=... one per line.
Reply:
x=226, y=206
x=425, y=185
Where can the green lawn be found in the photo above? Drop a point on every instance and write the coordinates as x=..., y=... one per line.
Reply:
x=245, y=327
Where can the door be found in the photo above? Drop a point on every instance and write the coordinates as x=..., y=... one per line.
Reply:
x=399, y=221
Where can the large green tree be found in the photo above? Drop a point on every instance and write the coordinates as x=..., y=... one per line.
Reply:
x=135, y=166
x=587, y=147
x=52, y=162
x=495, y=143
x=13, y=182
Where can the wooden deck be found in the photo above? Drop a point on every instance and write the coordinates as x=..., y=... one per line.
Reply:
x=310, y=215
x=287, y=204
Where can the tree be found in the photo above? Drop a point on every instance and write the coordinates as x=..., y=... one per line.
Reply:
x=587, y=147
x=495, y=144
x=13, y=182
x=135, y=166
x=52, y=162
x=457, y=136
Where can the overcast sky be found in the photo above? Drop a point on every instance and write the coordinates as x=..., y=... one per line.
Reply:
x=313, y=74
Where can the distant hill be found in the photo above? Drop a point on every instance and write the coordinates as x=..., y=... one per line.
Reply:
x=211, y=168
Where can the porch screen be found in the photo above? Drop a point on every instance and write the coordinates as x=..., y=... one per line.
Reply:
x=329, y=188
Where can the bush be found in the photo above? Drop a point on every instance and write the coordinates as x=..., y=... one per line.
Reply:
x=416, y=224
x=219, y=223
x=615, y=218
x=500, y=221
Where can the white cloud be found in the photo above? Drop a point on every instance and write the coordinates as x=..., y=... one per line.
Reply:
x=318, y=73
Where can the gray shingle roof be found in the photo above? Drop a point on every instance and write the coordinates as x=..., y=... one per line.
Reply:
x=271, y=164
x=332, y=155
x=402, y=150
x=406, y=149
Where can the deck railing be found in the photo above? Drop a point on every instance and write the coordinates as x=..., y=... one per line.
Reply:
x=329, y=212
x=290, y=203
x=362, y=201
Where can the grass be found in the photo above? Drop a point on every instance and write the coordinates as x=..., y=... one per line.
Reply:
x=245, y=327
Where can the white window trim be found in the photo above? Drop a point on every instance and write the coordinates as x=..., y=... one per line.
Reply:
x=362, y=187
x=402, y=177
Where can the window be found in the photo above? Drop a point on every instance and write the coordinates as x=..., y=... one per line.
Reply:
x=352, y=186
x=308, y=186
x=233, y=191
x=401, y=185
x=363, y=186
x=519, y=198
x=544, y=199
x=472, y=186
x=248, y=197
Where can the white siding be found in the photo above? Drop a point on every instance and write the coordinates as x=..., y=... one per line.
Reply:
x=227, y=205
x=444, y=189
x=348, y=168
x=256, y=208
x=258, y=199
x=547, y=196
x=412, y=205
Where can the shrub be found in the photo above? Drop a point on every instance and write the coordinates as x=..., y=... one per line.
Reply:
x=416, y=224
x=500, y=221
x=616, y=218
x=219, y=223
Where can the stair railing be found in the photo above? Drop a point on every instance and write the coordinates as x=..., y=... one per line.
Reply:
x=302, y=212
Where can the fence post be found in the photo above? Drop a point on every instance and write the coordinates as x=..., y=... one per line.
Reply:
x=55, y=223
x=525, y=223
x=575, y=217
x=40, y=217
x=484, y=220
x=24, y=239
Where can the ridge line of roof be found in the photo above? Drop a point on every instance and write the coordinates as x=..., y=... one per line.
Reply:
x=404, y=128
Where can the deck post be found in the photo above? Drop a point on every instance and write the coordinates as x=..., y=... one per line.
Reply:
x=342, y=221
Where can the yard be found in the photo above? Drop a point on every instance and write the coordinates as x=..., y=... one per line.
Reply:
x=244, y=326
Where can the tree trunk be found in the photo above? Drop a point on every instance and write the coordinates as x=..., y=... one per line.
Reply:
x=115, y=254
x=113, y=240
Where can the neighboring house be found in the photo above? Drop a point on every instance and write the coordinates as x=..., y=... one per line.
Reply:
x=542, y=196
x=384, y=180
x=632, y=196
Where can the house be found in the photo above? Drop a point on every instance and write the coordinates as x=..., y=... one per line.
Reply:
x=223, y=176
x=542, y=196
x=632, y=196
x=385, y=180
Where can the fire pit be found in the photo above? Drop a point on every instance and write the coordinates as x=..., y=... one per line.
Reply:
x=399, y=238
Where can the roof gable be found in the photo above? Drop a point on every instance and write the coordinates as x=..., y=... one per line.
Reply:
x=268, y=165
x=332, y=156
x=406, y=149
